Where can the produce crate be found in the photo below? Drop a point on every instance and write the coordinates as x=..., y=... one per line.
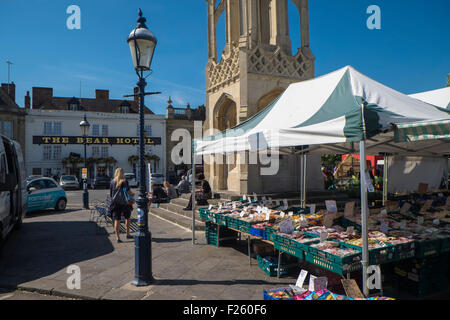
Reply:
x=220, y=219
x=380, y=255
x=232, y=222
x=267, y=297
x=204, y=214
x=270, y=267
x=445, y=245
x=245, y=226
x=289, y=249
x=349, y=223
x=404, y=251
x=270, y=232
x=211, y=234
x=428, y=248
x=336, y=264
x=258, y=232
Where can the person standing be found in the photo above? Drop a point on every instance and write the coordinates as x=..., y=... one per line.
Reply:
x=118, y=192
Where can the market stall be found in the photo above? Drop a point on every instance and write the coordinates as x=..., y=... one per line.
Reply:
x=342, y=112
x=439, y=97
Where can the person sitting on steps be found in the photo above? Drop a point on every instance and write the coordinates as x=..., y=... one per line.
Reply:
x=201, y=195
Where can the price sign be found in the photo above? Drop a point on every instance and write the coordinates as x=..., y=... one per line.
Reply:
x=291, y=214
x=384, y=227
x=420, y=220
x=403, y=224
x=286, y=227
x=349, y=209
x=282, y=214
x=350, y=230
x=323, y=236
x=285, y=204
x=301, y=279
x=277, y=203
x=311, y=283
x=210, y=207
x=244, y=197
x=249, y=199
x=84, y=173
x=383, y=212
x=320, y=283
x=255, y=196
x=267, y=215
x=234, y=205
x=331, y=206
x=264, y=199
x=426, y=206
x=312, y=209
x=328, y=221
x=242, y=214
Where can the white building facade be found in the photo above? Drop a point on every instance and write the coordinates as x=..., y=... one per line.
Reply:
x=55, y=146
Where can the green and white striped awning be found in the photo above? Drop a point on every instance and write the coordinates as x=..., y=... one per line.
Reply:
x=432, y=130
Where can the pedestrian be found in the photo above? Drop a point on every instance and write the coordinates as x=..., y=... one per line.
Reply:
x=120, y=194
x=203, y=194
x=158, y=194
x=170, y=190
x=183, y=186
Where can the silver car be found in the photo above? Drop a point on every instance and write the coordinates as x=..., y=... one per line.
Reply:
x=69, y=182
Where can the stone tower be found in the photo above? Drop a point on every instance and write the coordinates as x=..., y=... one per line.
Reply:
x=256, y=66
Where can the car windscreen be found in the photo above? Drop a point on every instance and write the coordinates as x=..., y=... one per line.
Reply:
x=130, y=176
x=68, y=179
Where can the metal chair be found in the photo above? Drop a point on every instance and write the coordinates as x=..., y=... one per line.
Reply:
x=100, y=212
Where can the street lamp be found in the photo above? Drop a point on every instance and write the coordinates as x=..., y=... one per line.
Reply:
x=84, y=126
x=142, y=46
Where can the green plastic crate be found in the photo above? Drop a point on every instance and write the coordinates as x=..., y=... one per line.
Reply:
x=271, y=269
x=428, y=248
x=404, y=251
x=270, y=232
x=232, y=222
x=296, y=252
x=204, y=214
x=380, y=255
x=220, y=219
x=336, y=264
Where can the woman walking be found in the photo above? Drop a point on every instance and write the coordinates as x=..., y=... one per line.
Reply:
x=119, y=192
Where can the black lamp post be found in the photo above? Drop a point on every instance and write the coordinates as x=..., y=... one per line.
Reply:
x=84, y=126
x=142, y=45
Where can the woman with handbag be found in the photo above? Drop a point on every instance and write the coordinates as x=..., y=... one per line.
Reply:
x=121, y=202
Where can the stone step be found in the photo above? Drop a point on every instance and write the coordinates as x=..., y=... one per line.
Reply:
x=185, y=201
x=179, y=219
x=175, y=208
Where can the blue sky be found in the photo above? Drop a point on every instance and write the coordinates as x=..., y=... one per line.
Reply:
x=411, y=52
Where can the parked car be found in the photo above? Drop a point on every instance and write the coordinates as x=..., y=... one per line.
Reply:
x=157, y=178
x=13, y=196
x=45, y=193
x=69, y=182
x=29, y=178
x=132, y=181
x=101, y=182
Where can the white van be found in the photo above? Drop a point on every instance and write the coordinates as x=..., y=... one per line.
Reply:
x=13, y=196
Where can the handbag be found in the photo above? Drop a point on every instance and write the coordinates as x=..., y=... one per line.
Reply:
x=130, y=200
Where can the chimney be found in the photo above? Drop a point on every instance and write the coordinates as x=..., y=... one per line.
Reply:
x=136, y=91
x=10, y=90
x=102, y=95
x=40, y=96
x=27, y=101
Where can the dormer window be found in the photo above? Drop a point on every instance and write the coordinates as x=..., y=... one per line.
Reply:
x=125, y=107
x=74, y=104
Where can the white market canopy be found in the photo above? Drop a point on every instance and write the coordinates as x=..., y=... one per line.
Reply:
x=325, y=115
x=439, y=97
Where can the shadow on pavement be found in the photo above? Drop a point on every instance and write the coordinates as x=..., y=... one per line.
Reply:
x=170, y=240
x=188, y=282
x=41, y=249
x=50, y=212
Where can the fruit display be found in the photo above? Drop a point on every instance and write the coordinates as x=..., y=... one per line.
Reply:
x=334, y=248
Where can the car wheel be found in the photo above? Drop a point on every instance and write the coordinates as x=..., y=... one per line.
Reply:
x=61, y=205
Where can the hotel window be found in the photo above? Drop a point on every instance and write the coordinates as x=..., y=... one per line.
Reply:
x=95, y=130
x=48, y=129
x=48, y=172
x=105, y=130
x=47, y=152
x=95, y=152
x=56, y=128
x=37, y=171
x=56, y=152
x=147, y=130
x=124, y=109
x=105, y=152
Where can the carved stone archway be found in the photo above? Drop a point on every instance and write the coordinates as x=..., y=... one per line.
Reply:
x=268, y=98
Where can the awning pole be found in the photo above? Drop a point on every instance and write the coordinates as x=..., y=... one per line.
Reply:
x=364, y=215
x=193, y=193
x=385, y=178
x=447, y=173
x=301, y=180
x=305, y=166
